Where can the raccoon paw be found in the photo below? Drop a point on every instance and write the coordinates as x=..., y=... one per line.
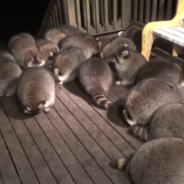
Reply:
x=118, y=83
x=46, y=109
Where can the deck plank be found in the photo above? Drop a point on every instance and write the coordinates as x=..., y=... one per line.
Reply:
x=109, y=121
x=101, y=158
x=90, y=127
x=47, y=151
x=7, y=169
x=36, y=159
x=63, y=151
x=1, y=179
x=77, y=148
x=22, y=164
x=73, y=144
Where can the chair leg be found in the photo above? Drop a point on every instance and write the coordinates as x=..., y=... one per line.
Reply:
x=147, y=42
x=175, y=50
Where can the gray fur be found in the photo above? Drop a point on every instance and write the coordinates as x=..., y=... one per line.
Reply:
x=88, y=44
x=96, y=79
x=68, y=29
x=167, y=121
x=36, y=90
x=109, y=50
x=9, y=74
x=54, y=35
x=57, y=34
x=66, y=64
x=160, y=68
x=127, y=63
x=24, y=49
x=159, y=161
x=47, y=48
x=146, y=97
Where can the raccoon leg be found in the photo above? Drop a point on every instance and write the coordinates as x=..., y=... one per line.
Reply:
x=119, y=164
x=140, y=131
x=102, y=101
x=46, y=109
x=118, y=83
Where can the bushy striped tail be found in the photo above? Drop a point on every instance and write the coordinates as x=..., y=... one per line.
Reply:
x=140, y=131
x=102, y=101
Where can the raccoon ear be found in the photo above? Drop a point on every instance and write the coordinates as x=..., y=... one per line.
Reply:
x=51, y=54
x=56, y=71
x=99, y=45
x=125, y=53
x=102, y=55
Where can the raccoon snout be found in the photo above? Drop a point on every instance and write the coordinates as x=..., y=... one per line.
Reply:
x=128, y=119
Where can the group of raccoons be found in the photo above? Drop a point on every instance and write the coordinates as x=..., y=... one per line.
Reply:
x=34, y=70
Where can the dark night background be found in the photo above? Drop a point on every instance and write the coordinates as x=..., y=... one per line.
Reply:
x=21, y=16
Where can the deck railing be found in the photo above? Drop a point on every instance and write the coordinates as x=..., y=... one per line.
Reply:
x=105, y=16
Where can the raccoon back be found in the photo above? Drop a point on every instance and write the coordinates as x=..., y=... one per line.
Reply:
x=162, y=69
x=159, y=161
x=96, y=78
x=36, y=84
x=146, y=97
x=85, y=42
x=168, y=121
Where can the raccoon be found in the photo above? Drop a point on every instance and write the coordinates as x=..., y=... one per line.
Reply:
x=158, y=161
x=68, y=29
x=96, y=79
x=85, y=42
x=66, y=64
x=146, y=97
x=167, y=121
x=9, y=74
x=36, y=90
x=54, y=35
x=108, y=51
x=47, y=48
x=160, y=68
x=24, y=49
x=127, y=64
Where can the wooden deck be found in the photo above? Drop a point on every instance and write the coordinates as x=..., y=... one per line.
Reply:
x=74, y=143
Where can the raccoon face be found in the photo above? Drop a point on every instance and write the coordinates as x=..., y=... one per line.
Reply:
x=60, y=76
x=122, y=53
x=38, y=61
x=128, y=118
x=44, y=105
